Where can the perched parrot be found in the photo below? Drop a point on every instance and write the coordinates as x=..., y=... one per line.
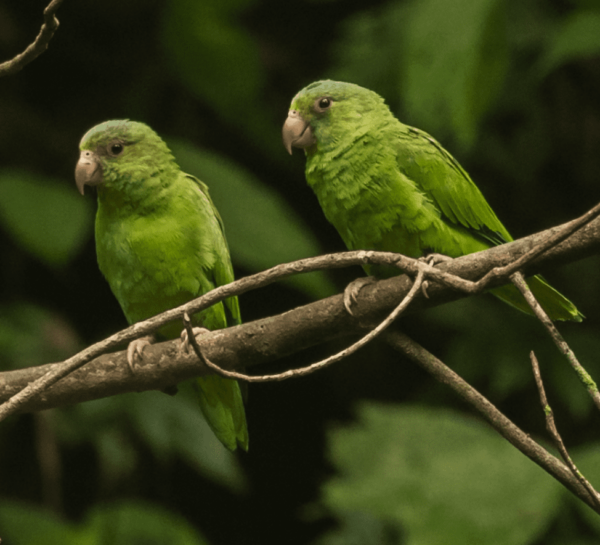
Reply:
x=390, y=187
x=160, y=243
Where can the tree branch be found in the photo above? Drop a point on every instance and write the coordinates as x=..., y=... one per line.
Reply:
x=499, y=422
x=584, y=377
x=271, y=338
x=553, y=431
x=295, y=373
x=39, y=45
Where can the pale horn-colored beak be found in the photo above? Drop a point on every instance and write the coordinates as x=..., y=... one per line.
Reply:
x=297, y=132
x=88, y=170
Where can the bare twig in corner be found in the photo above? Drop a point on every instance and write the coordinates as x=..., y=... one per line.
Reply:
x=500, y=423
x=296, y=373
x=39, y=45
x=553, y=430
x=519, y=281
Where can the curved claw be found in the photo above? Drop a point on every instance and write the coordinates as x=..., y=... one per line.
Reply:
x=136, y=349
x=352, y=290
x=434, y=259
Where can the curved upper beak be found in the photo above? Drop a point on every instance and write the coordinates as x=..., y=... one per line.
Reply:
x=297, y=132
x=88, y=170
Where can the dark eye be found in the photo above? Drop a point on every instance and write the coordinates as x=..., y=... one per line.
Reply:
x=116, y=149
x=322, y=104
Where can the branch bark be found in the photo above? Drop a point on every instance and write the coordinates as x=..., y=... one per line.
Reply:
x=39, y=45
x=275, y=337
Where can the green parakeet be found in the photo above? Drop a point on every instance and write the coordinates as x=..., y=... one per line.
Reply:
x=390, y=187
x=160, y=243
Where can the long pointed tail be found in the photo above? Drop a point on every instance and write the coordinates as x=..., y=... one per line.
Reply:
x=223, y=407
x=556, y=305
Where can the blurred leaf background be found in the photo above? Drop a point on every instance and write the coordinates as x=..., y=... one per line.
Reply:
x=372, y=450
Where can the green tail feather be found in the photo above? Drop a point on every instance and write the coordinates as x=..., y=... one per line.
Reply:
x=222, y=405
x=556, y=305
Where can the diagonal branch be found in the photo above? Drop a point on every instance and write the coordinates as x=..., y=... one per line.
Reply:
x=559, y=341
x=39, y=45
x=271, y=338
x=296, y=373
x=561, y=233
x=553, y=431
x=59, y=371
x=499, y=422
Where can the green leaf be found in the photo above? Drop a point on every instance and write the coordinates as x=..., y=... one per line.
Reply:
x=578, y=37
x=369, y=50
x=44, y=215
x=212, y=53
x=174, y=426
x=22, y=524
x=359, y=528
x=440, y=477
x=455, y=58
x=123, y=523
x=170, y=427
x=137, y=523
x=30, y=335
x=443, y=61
x=261, y=229
x=215, y=56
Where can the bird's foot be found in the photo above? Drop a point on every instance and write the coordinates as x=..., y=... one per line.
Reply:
x=185, y=341
x=135, y=350
x=352, y=290
x=432, y=260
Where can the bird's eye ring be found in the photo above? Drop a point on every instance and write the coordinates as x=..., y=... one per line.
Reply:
x=322, y=104
x=115, y=149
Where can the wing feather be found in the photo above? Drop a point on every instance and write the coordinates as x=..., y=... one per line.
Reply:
x=446, y=183
x=222, y=271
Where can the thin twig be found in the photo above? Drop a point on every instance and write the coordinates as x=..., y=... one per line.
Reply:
x=553, y=431
x=264, y=278
x=499, y=421
x=296, y=373
x=519, y=281
x=147, y=327
x=475, y=287
x=39, y=45
x=563, y=233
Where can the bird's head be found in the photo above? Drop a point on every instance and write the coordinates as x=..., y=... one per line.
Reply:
x=119, y=153
x=329, y=112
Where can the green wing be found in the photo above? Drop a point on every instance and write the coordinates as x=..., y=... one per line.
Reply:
x=447, y=184
x=451, y=189
x=221, y=400
x=222, y=271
